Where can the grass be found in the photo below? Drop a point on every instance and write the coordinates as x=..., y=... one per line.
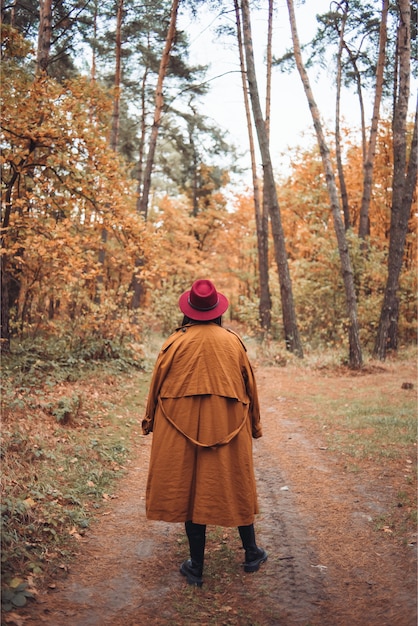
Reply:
x=365, y=429
x=66, y=440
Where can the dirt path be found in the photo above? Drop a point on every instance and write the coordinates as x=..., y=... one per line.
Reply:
x=327, y=566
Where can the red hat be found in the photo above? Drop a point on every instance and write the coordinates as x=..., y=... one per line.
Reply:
x=203, y=302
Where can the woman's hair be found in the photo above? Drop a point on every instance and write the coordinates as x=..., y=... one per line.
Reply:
x=188, y=320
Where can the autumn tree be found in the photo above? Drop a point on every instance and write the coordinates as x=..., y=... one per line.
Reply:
x=291, y=332
x=44, y=35
x=159, y=103
x=403, y=188
x=53, y=28
x=62, y=186
x=364, y=222
x=344, y=20
x=338, y=146
x=355, y=356
x=260, y=204
x=363, y=41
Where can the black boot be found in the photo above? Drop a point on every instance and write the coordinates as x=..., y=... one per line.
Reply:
x=193, y=572
x=254, y=556
x=193, y=567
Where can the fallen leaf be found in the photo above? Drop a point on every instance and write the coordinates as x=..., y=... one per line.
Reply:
x=29, y=503
x=74, y=533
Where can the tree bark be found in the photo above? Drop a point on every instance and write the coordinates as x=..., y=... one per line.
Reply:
x=94, y=43
x=44, y=36
x=261, y=223
x=291, y=331
x=338, y=152
x=364, y=223
x=269, y=59
x=357, y=76
x=159, y=103
x=142, y=137
x=265, y=297
x=404, y=181
x=6, y=278
x=355, y=355
x=114, y=135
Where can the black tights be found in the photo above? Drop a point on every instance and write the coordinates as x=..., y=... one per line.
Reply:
x=196, y=534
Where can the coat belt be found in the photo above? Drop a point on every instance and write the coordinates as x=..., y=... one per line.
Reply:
x=221, y=442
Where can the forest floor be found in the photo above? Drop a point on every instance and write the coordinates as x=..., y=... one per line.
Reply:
x=337, y=520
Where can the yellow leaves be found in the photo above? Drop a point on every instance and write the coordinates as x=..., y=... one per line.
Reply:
x=13, y=43
x=74, y=533
x=29, y=503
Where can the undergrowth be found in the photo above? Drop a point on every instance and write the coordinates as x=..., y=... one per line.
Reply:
x=68, y=424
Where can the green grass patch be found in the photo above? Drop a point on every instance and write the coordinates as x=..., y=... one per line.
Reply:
x=372, y=429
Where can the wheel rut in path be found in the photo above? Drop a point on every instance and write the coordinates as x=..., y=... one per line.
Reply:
x=294, y=578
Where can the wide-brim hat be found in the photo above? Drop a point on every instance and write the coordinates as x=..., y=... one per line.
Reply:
x=202, y=302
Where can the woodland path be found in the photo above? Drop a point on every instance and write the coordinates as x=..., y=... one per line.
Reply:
x=327, y=566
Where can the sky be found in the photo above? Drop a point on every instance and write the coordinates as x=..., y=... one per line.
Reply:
x=291, y=121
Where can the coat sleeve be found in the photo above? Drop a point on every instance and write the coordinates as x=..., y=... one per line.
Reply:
x=161, y=368
x=251, y=387
x=148, y=421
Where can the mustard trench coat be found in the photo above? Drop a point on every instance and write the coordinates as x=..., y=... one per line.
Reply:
x=203, y=410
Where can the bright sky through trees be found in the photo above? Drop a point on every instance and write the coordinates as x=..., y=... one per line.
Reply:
x=290, y=116
x=290, y=113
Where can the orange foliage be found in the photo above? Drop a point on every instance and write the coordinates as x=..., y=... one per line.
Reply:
x=62, y=189
x=71, y=234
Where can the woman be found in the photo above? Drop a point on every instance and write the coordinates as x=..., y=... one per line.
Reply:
x=203, y=410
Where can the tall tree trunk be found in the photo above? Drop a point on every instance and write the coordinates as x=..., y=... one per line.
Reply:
x=12, y=13
x=291, y=331
x=44, y=36
x=142, y=137
x=357, y=76
x=94, y=44
x=355, y=356
x=269, y=59
x=262, y=228
x=114, y=135
x=364, y=224
x=403, y=183
x=265, y=297
x=159, y=103
x=338, y=152
x=6, y=277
